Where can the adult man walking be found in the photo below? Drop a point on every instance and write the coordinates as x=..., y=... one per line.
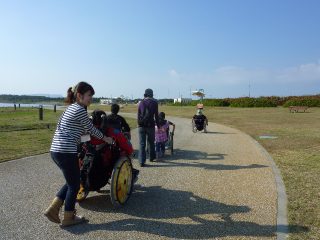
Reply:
x=147, y=119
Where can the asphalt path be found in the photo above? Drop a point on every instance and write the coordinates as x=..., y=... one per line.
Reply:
x=218, y=185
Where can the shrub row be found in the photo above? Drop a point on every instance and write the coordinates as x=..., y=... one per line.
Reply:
x=252, y=102
x=309, y=102
x=273, y=101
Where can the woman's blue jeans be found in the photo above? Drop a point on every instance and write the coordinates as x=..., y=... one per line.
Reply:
x=69, y=165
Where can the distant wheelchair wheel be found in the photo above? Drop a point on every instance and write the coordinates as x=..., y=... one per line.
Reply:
x=171, y=143
x=194, y=128
x=121, y=182
x=82, y=194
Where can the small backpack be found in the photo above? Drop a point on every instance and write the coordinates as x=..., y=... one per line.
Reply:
x=145, y=118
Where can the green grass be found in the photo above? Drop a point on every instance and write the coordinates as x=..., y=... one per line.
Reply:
x=22, y=134
x=132, y=122
x=296, y=152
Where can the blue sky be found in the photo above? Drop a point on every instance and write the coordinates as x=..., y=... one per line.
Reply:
x=123, y=47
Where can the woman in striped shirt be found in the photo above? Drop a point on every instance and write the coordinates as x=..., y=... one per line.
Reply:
x=73, y=123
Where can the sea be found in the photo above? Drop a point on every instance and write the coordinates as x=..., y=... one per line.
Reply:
x=30, y=105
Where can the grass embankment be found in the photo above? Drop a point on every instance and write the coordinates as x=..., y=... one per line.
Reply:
x=22, y=134
x=296, y=152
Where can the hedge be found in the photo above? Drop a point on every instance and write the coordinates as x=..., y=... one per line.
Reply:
x=272, y=101
x=309, y=102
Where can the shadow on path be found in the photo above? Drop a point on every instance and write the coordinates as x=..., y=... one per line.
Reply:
x=194, y=155
x=156, y=210
x=218, y=167
x=216, y=133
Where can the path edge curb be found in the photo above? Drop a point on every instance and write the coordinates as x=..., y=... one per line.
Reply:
x=282, y=200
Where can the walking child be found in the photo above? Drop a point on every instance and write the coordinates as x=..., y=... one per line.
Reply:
x=161, y=134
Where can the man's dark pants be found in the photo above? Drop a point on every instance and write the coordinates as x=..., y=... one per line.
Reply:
x=146, y=134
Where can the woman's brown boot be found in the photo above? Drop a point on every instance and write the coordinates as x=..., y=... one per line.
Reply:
x=52, y=212
x=70, y=218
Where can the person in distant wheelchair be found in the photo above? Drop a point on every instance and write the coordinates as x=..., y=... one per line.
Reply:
x=199, y=122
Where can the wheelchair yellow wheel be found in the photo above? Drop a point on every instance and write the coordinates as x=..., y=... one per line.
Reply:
x=82, y=194
x=121, y=182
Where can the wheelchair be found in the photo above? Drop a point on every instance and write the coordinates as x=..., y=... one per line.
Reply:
x=169, y=143
x=199, y=123
x=106, y=164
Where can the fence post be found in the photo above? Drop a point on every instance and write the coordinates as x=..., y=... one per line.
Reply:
x=19, y=105
x=40, y=112
x=55, y=108
x=15, y=107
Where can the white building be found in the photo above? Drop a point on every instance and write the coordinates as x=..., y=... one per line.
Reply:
x=107, y=101
x=182, y=100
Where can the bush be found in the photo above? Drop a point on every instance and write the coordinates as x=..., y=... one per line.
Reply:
x=273, y=101
x=216, y=102
x=265, y=102
x=253, y=102
x=308, y=102
x=242, y=102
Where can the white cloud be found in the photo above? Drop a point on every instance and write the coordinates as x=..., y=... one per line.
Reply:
x=309, y=72
x=173, y=73
x=235, y=75
x=232, y=75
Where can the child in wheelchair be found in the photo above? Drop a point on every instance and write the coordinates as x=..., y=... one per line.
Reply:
x=97, y=158
x=162, y=135
x=117, y=121
x=108, y=127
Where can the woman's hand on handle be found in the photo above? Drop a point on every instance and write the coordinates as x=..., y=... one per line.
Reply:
x=108, y=140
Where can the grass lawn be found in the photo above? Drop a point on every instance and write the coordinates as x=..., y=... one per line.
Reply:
x=296, y=152
x=22, y=134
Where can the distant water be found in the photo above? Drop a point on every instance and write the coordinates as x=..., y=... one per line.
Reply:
x=34, y=105
x=268, y=137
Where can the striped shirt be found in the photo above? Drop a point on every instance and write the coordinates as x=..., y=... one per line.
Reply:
x=73, y=123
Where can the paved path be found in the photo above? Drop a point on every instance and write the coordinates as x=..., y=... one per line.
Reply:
x=218, y=185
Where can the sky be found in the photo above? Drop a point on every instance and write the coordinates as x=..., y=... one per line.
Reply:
x=172, y=46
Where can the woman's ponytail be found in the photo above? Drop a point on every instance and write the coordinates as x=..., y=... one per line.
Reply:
x=82, y=88
x=70, y=96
